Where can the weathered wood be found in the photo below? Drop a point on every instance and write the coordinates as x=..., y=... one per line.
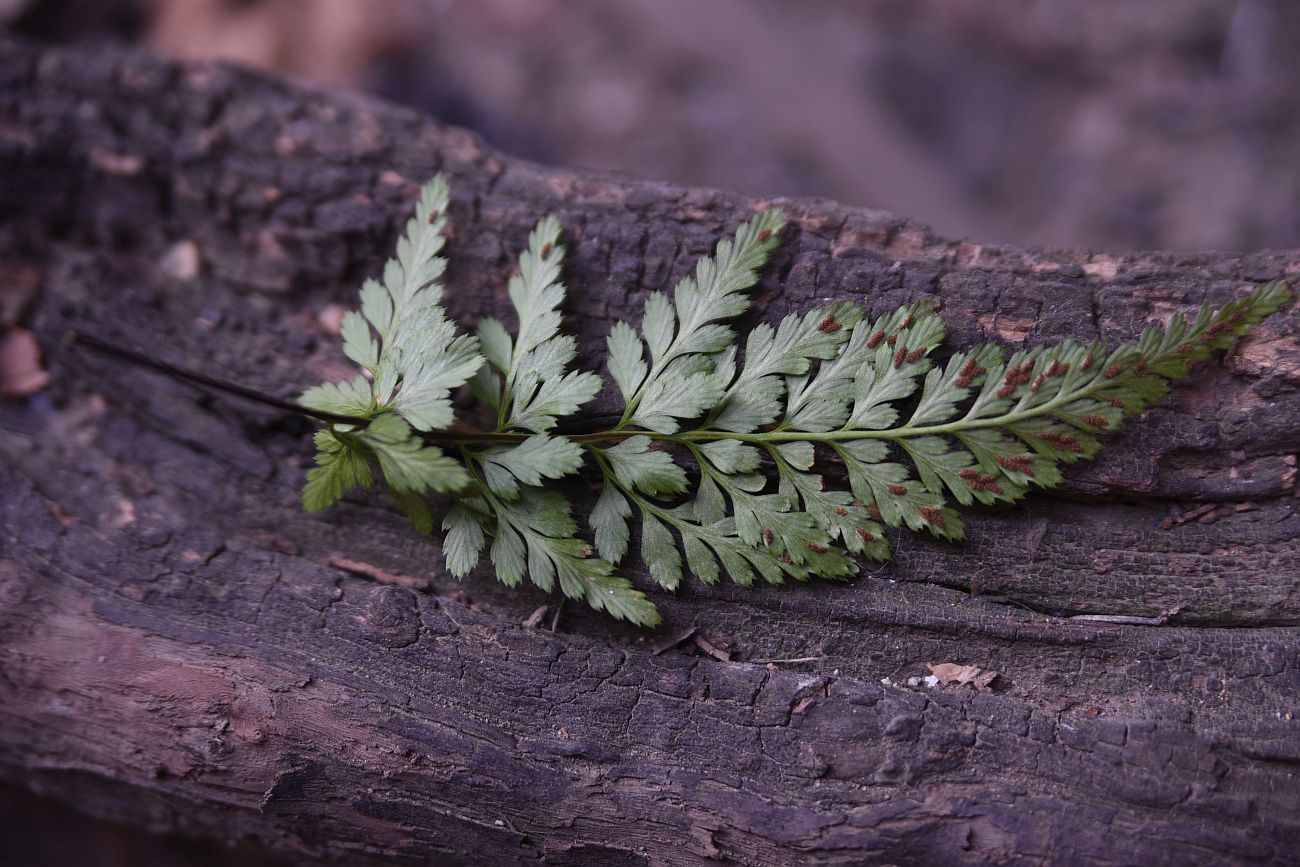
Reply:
x=177, y=649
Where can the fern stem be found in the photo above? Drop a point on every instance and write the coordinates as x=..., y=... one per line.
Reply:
x=74, y=338
x=617, y=433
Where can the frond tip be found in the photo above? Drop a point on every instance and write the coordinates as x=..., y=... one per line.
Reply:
x=912, y=432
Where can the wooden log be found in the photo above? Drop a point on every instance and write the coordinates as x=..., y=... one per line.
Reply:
x=182, y=648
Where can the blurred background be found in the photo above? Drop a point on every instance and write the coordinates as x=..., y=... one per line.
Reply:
x=1099, y=124
x=1102, y=124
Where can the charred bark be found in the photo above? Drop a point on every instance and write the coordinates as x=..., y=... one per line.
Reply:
x=180, y=648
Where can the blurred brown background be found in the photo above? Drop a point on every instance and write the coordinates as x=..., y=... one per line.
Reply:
x=1110, y=123
x=1104, y=124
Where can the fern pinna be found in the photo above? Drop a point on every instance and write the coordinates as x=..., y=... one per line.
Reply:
x=911, y=433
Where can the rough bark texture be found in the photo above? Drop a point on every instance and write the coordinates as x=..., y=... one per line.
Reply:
x=176, y=649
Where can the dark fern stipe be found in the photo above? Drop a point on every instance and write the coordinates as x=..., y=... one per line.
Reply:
x=912, y=434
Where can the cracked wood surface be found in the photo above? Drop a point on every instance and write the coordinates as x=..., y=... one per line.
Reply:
x=182, y=648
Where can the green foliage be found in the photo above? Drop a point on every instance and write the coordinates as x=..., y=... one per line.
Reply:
x=717, y=452
x=413, y=359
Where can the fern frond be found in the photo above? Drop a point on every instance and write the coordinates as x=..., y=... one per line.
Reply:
x=528, y=382
x=680, y=334
x=721, y=453
x=412, y=359
x=527, y=379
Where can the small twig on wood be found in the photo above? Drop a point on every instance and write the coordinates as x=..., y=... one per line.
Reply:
x=794, y=660
x=374, y=573
x=703, y=644
x=1123, y=619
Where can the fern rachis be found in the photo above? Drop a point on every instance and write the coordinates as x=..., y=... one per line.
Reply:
x=866, y=393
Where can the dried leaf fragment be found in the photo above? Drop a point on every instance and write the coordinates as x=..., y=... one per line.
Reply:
x=21, y=373
x=950, y=672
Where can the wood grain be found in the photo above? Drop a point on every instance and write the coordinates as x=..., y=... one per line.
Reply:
x=181, y=648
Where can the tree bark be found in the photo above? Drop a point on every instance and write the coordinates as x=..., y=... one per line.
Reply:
x=180, y=649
